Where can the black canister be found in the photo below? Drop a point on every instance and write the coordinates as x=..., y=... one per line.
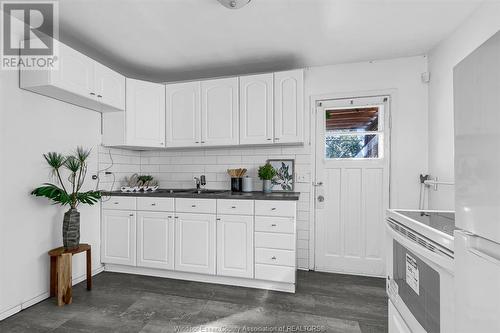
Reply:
x=236, y=184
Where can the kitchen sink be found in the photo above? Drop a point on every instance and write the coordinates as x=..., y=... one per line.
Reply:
x=191, y=191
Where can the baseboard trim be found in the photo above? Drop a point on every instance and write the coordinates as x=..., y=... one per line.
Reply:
x=37, y=299
x=233, y=281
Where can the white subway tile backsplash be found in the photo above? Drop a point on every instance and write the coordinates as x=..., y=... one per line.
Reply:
x=176, y=169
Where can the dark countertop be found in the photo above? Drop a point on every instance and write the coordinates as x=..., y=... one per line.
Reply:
x=292, y=196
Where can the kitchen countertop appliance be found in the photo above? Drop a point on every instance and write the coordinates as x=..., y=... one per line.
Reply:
x=420, y=267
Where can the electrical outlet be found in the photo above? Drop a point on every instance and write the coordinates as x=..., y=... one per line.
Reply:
x=303, y=177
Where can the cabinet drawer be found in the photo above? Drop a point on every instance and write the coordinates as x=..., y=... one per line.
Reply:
x=275, y=224
x=187, y=205
x=275, y=257
x=275, y=241
x=156, y=204
x=275, y=273
x=124, y=203
x=275, y=208
x=238, y=207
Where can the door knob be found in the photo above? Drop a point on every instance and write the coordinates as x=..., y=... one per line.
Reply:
x=321, y=198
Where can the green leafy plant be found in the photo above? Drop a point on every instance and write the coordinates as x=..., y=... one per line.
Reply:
x=267, y=172
x=76, y=165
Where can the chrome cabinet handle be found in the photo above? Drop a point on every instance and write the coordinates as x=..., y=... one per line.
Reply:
x=273, y=225
x=153, y=204
x=233, y=206
x=130, y=214
x=92, y=94
x=193, y=206
x=197, y=142
x=169, y=217
x=269, y=139
x=218, y=219
x=99, y=96
x=321, y=198
x=277, y=139
x=203, y=142
x=273, y=258
x=274, y=208
x=115, y=203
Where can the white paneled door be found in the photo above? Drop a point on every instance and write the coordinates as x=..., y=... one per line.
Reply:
x=352, y=185
x=155, y=240
x=195, y=243
x=256, y=109
x=183, y=114
x=219, y=112
x=235, y=246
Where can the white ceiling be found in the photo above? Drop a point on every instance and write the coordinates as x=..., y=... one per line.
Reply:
x=170, y=40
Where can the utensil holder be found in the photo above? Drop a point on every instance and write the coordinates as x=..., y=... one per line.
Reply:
x=236, y=184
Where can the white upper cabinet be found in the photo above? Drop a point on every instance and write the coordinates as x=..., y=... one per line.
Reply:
x=79, y=80
x=145, y=114
x=109, y=88
x=289, y=106
x=75, y=73
x=183, y=114
x=219, y=112
x=256, y=109
x=235, y=246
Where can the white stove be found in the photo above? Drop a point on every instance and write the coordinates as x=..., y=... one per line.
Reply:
x=420, y=260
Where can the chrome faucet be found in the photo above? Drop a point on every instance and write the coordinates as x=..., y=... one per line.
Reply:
x=201, y=181
x=198, y=182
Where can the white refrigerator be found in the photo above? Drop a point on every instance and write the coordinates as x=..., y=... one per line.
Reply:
x=477, y=198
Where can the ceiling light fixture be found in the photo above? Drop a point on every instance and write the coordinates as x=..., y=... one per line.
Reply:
x=234, y=4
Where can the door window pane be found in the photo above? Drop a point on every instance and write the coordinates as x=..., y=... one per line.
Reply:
x=352, y=120
x=354, y=132
x=352, y=146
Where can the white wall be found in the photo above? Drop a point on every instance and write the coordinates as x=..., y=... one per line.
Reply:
x=30, y=125
x=408, y=110
x=176, y=168
x=480, y=26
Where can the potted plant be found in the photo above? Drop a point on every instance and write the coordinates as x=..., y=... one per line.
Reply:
x=76, y=166
x=266, y=173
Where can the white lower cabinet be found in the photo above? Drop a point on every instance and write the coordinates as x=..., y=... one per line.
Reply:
x=195, y=243
x=118, y=237
x=241, y=242
x=235, y=246
x=155, y=240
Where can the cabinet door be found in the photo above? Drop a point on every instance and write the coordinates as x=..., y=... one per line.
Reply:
x=183, y=114
x=235, y=246
x=155, y=240
x=75, y=73
x=109, y=88
x=118, y=237
x=289, y=106
x=256, y=109
x=219, y=112
x=145, y=114
x=195, y=243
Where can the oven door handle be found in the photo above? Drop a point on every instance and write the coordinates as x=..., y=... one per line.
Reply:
x=441, y=260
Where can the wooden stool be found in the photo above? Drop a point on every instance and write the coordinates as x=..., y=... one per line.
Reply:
x=60, y=272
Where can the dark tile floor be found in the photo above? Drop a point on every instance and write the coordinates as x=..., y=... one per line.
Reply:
x=133, y=303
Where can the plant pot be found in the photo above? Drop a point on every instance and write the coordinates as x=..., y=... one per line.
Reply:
x=267, y=186
x=71, y=229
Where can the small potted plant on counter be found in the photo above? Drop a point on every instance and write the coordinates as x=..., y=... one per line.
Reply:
x=267, y=173
x=69, y=194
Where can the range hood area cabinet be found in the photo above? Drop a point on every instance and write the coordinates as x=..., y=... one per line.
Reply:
x=79, y=80
x=143, y=122
x=202, y=113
